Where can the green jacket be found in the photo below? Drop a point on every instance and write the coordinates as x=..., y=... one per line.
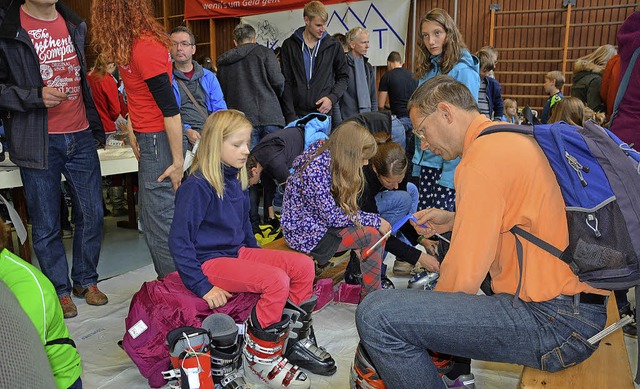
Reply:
x=38, y=298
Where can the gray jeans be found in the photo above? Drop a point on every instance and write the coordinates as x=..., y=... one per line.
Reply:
x=156, y=199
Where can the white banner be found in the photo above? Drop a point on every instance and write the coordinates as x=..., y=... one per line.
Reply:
x=386, y=21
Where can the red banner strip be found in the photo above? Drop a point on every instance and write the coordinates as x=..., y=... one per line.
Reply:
x=213, y=9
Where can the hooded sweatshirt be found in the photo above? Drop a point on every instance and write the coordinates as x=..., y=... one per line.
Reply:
x=252, y=82
x=467, y=71
x=311, y=74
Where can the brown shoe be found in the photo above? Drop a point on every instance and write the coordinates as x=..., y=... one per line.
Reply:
x=69, y=309
x=402, y=268
x=92, y=294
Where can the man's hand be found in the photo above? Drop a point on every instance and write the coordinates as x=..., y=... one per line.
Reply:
x=429, y=262
x=52, y=97
x=174, y=173
x=324, y=105
x=432, y=221
x=216, y=297
x=192, y=135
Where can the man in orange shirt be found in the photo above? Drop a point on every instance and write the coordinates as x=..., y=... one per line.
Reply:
x=503, y=180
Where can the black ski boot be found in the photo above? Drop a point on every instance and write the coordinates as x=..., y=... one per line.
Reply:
x=302, y=347
x=226, y=351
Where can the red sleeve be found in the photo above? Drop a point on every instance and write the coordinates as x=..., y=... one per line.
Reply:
x=150, y=58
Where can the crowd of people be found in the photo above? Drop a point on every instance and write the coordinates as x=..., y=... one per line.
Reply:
x=341, y=175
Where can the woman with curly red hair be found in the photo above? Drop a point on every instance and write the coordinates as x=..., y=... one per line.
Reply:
x=126, y=32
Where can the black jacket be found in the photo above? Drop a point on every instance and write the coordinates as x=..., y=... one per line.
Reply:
x=276, y=152
x=367, y=203
x=329, y=76
x=21, y=104
x=349, y=105
x=251, y=82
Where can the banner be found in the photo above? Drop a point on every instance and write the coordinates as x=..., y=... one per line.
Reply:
x=386, y=21
x=212, y=9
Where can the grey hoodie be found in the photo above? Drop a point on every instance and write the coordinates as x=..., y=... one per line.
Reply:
x=251, y=81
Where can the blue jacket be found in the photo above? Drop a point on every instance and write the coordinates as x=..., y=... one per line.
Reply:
x=467, y=71
x=22, y=109
x=494, y=97
x=207, y=226
x=214, y=100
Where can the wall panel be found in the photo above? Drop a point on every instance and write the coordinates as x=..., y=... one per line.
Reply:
x=528, y=35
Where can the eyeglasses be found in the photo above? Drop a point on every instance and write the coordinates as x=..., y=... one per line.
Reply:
x=418, y=131
x=184, y=44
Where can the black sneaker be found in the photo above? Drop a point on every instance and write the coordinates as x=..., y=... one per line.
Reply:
x=386, y=283
x=630, y=330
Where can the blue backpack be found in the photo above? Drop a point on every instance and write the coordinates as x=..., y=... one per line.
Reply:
x=599, y=177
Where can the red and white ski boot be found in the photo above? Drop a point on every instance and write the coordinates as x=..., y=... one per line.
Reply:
x=262, y=357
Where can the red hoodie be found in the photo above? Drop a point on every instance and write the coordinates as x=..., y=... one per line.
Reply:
x=105, y=95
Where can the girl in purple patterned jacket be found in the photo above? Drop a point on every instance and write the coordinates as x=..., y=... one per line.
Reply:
x=320, y=215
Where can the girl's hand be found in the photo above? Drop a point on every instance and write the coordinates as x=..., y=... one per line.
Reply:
x=216, y=297
x=384, y=226
x=429, y=262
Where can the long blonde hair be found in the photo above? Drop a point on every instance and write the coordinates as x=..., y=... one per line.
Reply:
x=451, y=49
x=596, y=61
x=218, y=127
x=349, y=145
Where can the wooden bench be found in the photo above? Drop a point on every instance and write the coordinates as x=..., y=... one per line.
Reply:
x=607, y=368
x=334, y=269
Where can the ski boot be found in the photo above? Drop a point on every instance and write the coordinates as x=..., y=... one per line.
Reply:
x=301, y=347
x=423, y=280
x=226, y=351
x=190, y=358
x=463, y=378
x=262, y=356
x=363, y=373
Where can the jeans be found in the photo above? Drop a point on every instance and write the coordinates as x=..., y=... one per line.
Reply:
x=398, y=132
x=73, y=155
x=77, y=384
x=156, y=199
x=278, y=196
x=397, y=326
x=260, y=132
x=393, y=205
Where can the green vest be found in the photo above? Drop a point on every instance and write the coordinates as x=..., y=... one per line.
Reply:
x=38, y=298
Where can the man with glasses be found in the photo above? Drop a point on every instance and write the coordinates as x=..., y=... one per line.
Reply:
x=197, y=90
x=503, y=180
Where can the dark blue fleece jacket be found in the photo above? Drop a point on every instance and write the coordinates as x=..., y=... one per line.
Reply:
x=207, y=226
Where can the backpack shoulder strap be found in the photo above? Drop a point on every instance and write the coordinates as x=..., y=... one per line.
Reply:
x=622, y=88
x=516, y=128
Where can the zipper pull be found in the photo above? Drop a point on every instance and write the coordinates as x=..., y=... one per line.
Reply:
x=592, y=222
x=573, y=162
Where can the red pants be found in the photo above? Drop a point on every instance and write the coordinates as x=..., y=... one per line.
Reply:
x=276, y=275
